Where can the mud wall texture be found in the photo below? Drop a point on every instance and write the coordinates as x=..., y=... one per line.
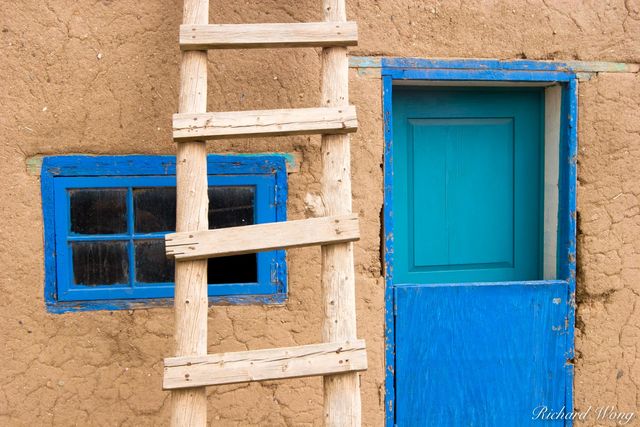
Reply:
x=101, y=77
x=608, y=316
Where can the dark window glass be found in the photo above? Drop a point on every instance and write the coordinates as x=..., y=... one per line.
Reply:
x=103, y=263
x=152, y=264
x=98, y=211
x=232, y=269
x=100, y=263
x=154, y=209
x=231, y=206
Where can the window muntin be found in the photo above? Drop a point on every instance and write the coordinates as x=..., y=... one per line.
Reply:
x=109, y=231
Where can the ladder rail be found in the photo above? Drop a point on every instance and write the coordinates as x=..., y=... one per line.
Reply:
x=189, y=406
x=342, y=406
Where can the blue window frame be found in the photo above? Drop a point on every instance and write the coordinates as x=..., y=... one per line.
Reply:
x=105, y=219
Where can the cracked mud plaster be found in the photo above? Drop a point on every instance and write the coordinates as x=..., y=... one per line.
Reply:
x=607, y=368
x=101, y=77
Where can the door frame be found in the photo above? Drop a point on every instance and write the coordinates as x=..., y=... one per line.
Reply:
x=461, y=72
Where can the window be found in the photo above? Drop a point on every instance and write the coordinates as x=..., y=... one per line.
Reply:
x=106, y=218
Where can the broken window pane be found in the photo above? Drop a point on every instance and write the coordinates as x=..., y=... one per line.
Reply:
x=152, y=264
x=98, y=211
x=232, y=269
x=100, y=263
x=231, y=206
x=154, y=209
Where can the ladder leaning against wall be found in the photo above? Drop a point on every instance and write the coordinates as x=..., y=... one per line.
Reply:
x=341, y=355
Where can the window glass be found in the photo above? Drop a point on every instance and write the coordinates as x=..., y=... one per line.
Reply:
x=232, y=269
x=152, y=265
x=154, y=209
x=230, y=206
x=100, y=263
x=154, y=212
x=98, y=211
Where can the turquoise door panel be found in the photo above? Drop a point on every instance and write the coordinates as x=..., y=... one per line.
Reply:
x=467, y=185
x=457, y=164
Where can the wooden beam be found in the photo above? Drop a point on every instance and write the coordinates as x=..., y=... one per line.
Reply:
x=189, y=407
x=241, y=124
x=261, y=365
x=342, y=406
x=235, y=36
x=262, y=237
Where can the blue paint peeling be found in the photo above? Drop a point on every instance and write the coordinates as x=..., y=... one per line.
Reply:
x=474, y=64
x=466, y=75
x=387, y=87
x=89, y=170
x=569, y=229
x=486, y=70
x=493, y=64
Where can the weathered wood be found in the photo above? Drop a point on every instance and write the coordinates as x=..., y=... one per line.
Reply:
x=241, y=124
x=189, y=407
x=261, y=365
x=342, y=406
x=234, y=36
x=262, y=237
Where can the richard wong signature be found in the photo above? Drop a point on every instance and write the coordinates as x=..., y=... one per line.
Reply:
x=600, y=413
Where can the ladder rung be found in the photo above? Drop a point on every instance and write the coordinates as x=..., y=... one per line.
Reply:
x=239, y=124
x=262, y=237
x=261, y=365
x=232, y=36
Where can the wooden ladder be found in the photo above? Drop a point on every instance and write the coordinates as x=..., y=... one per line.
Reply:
x=341, y=355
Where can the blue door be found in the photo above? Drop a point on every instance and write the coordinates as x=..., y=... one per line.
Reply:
x=479, y=338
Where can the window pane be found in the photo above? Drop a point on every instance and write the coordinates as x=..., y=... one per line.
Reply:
x=100, y=263
x=152, y=265
x=231, y=206
x=154, y=209
x=98, y=211
x=232, y=269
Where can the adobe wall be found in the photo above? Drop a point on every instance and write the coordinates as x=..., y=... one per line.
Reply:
x=102, y=77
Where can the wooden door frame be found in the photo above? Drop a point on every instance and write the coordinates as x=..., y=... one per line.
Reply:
x=414, y=71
